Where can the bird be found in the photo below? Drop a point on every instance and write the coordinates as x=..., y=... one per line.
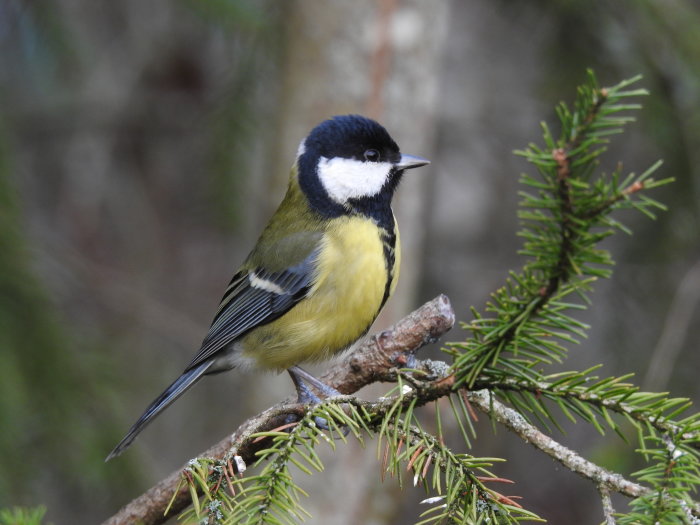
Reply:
x=320, y=272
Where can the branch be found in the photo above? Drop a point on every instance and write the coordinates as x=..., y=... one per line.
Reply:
x=379, y=359
x=375, y=360
x=608, y=510
x=602, y=477
x=620, y=403
x=515, y=422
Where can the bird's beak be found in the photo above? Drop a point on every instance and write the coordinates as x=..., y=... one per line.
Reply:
x=411, y=161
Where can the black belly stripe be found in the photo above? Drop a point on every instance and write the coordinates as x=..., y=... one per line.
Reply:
x=378, y=209
x=388, y=238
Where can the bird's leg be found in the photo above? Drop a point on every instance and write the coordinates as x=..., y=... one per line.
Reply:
x=302, y=379
x=304, y=394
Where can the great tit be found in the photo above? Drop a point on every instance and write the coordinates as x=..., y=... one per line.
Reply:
x=321, y=271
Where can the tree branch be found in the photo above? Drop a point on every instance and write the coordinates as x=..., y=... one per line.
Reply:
x=603, y=478
x=378, y=359
x=375, y=360
x=619, y=404
x=608, y=510
x=512, y=420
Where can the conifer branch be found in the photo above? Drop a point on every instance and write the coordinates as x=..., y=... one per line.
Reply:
x=514, y=421
x=612, y=393
x=562, y=224
x=608, y=510
x=271, y=496
x=392, y=418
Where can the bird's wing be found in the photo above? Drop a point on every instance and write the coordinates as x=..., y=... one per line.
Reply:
x=254, y=297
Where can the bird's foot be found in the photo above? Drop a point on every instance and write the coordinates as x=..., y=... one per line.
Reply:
x=303, y=381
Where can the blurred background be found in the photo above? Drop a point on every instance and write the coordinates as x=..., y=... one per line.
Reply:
x=143, y=145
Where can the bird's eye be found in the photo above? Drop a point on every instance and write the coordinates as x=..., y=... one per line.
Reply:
x=372, y=155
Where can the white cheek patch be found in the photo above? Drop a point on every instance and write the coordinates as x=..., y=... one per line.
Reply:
x=346, y=179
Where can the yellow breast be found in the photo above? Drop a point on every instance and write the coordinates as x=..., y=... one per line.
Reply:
x=345, y=298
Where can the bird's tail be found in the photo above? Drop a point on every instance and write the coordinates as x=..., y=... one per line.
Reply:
x=175, y=390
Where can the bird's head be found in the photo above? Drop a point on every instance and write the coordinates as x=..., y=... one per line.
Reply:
x=349, y=161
